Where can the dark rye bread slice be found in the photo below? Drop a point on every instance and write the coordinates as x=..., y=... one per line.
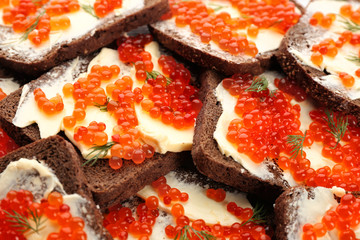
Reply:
x=212, y=163
x=59, y=155
x=287, y=207
x=108, y=186
x=110, y=29
x=18, y=78
x=189, y=45
x=301, y=37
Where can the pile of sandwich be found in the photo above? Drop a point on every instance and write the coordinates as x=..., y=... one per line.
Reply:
x=179, y=119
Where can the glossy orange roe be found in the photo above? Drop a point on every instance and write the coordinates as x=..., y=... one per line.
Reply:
x=345, y=218
x=219, y=27
x=330, y=47
x=2, y=94
x=87, y=91
x=260, y=116
x=7, y=144
x=48, y=106
x=121, y=222
x=266, y=120
x=168, y=97
x=52, y=208
x=104, y=7
x=28, y=13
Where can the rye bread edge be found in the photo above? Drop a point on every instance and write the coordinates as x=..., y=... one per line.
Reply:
x=221, y=61
x=63, y=159
x=92, y=41
x=211, y=162
x=304, y=75
x=286, y=210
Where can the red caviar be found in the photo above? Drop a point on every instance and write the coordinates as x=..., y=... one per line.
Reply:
x=52, y=208
x=2, y=94
x=121, y=222
x=104, y=7
x=221, y=28
x=169, y=96
x=344, y=217
x=47, y=16
x=331, y=47
x=266, y=120
x=7, y=144
x=48, y=106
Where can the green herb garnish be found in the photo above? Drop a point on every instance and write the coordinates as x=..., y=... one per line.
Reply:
x=259, y=215
x=32, y=26
x=258, y=84
x=188, y=231
x=101, y=152
x=349, y=24
x=154, y=74
x=276, y=23
x=297, y=141
x=338, y=125
x=354, y=58
x=22, y=223
x=103, y=108
x=216, y=7
x=89, y=9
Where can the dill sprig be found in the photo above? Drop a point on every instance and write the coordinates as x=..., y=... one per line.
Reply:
x=187, y=233
x=216, y=7
x=89, y=9
x=154, y=75
x=297, y=141
x=353, y=58
x=22, y=223
x=259, y=214
x=338, y=125
x=32, y=26
x=349, y=24
x=276, y=23
x=101, y=152
x=258, y=84
x=37, y=3
x=103, y=108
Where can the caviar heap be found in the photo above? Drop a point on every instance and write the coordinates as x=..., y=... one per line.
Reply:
x=214, y=24
x=2, y=94
x=268, y=126
x=166, y=96
x=35, y=20
x=343, y=218
x=7, y=144
x=120, y=222
x=345, y=46
x=21, y=217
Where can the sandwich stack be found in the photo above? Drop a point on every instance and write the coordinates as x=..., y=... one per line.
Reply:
x=224, y=119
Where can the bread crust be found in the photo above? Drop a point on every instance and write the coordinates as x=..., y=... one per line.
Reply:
x=212, y=163
x=286, y=210
x=206, y=56
x=300, y=37
x=110, y=187
x=102, y=35
x=60, y=156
